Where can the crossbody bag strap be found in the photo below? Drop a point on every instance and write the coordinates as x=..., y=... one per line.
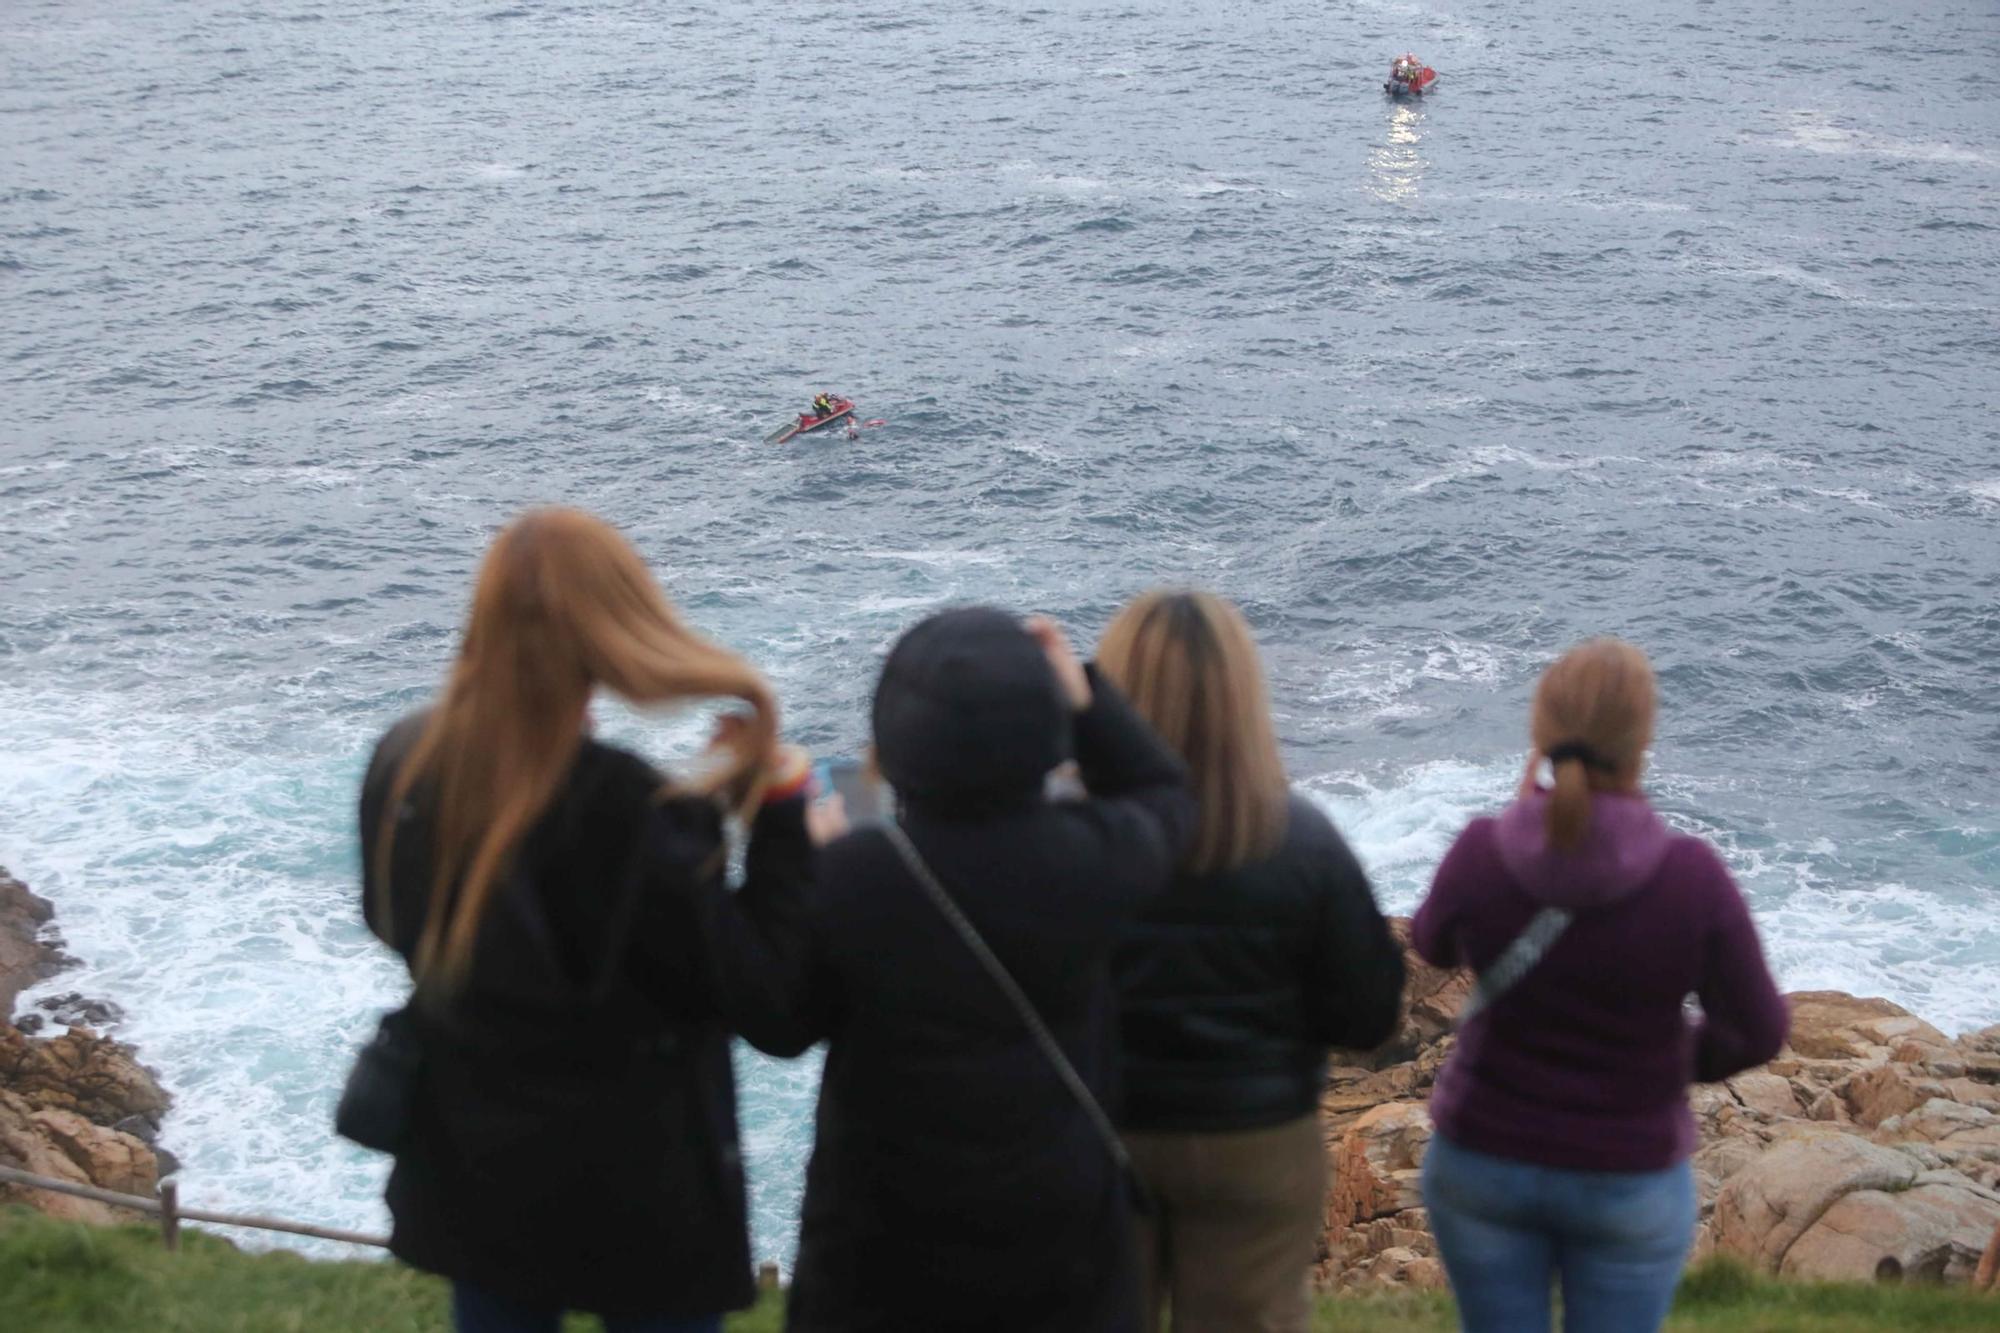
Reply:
x=1515, y=961
x=1015, y=996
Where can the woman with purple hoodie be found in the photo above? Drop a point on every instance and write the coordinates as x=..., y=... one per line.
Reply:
x=1562, y=1125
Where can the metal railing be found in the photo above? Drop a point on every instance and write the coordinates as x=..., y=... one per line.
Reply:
x=168, y=1209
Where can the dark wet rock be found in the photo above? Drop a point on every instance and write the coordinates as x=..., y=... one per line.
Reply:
x=74, y=1010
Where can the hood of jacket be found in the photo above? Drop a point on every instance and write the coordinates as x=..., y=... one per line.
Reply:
x=967, y=713
x=1621, y=849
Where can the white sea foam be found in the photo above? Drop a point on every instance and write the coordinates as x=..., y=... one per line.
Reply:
x=1070, y=184
x=1818, y=132
x=944, y=559
x=1485, y=458
x=1400, y=823
x=1039, y=450
x=420, y=405
x=1854, y=495
x=1373, y=683
x=1166, y=347
x=1921, y=949
x=881, y=604
x=1211, y=187
x=676, y=402
x=39, y=465
x=1598, y=201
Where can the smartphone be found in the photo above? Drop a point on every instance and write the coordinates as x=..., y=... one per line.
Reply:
x=864, y=795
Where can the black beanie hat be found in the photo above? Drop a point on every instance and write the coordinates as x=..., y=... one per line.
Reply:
x=968, y=712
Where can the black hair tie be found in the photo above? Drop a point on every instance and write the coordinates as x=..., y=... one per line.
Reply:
x=1583, y=754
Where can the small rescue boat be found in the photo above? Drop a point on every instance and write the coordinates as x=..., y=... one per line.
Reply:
x=843, y=408
x=1409, y=77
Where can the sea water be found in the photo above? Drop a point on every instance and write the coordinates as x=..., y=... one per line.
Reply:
x=1679, y=325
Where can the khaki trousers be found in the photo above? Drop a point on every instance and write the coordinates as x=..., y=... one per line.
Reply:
x=1235, y=1226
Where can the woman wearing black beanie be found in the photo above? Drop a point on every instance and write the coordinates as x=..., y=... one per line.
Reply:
x=958, y=1181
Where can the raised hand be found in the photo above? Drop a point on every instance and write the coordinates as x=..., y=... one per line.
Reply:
x=1069, y=672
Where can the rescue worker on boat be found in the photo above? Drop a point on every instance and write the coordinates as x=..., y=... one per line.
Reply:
x=823, y=405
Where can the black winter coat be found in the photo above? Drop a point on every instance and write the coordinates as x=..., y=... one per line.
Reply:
x=1232, y=985
x=575, y=1140
x=955, y=1183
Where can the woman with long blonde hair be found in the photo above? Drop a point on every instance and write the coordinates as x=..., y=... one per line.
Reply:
x=1563, y=1129
x=1266, y=949
x=571, y=1137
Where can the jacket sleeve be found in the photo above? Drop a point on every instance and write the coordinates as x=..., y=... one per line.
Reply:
x=1357, y=987
x=374, y=791
x=1140, y=806
x=755, y=934
x=1744, y=1019
x=1434, y=929
x=375, y=784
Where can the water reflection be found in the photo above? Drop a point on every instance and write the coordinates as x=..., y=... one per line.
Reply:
x=1397, y=166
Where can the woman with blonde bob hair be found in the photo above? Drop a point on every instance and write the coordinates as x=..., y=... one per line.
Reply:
x=1563, y=1129
x=1266, y=949
x=571, y=1136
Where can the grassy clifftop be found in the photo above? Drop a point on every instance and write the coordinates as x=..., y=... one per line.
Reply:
x=58, y=1277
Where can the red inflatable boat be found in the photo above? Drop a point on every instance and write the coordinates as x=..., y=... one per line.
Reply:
x=843, y=408
x=1409, y=77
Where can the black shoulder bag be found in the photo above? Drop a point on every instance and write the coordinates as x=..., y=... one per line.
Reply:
x=1141, y=1201
x=376, y=1102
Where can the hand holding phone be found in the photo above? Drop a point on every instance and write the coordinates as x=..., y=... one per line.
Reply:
x=861, y=793
x=826, y=819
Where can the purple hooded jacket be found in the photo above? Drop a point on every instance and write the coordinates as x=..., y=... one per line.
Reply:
x=1585, y=1063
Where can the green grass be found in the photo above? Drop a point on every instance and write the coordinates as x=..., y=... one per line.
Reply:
x=1719, y=1297
x=58, y=1277
x=61, y=1277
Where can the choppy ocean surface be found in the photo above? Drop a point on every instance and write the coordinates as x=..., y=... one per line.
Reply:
x=1684, y=326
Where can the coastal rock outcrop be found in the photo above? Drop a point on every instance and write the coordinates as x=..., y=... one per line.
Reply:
x=77, y=1107
x=1869, y=1149
x=65, y=1146
x=25, y=955
x=81, y=1072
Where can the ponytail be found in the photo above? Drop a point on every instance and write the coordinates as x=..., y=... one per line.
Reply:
x=1569, y=804
x=1593, y=718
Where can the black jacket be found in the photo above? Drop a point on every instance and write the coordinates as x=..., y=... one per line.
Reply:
x=955, y=1183
x=1232, y=986
x=575, y=1139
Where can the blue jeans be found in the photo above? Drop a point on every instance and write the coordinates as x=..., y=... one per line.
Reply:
x=1507, y=1230
x=476, y=1310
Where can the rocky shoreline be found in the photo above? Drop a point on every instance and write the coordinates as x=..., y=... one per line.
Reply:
x=1869, y=1150
x=77, y=1106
